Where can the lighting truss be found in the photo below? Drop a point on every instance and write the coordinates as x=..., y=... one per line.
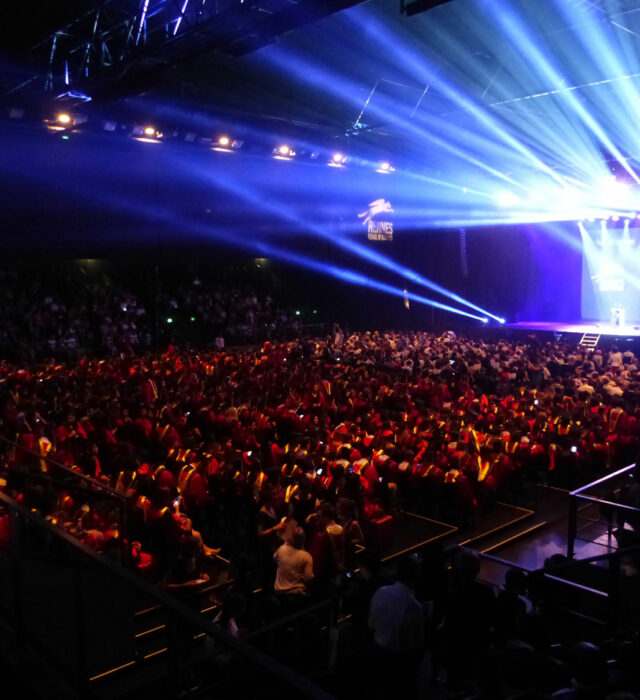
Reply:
x=417, y=6
x=120, y=39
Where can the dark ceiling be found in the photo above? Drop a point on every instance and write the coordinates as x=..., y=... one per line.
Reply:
x=458, y=41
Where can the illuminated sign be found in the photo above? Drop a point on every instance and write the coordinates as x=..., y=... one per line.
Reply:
x=377, y=230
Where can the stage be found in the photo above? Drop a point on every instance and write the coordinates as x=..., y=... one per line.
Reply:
x=580, y=327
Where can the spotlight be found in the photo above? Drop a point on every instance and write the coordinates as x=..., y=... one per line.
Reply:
x=146, y=134
x=384, y=167
x=501, y=320
x=484, y=320
x=60, y=122
x=338, y=160
x=615, y=217
x=226, y=145
x=283, y=152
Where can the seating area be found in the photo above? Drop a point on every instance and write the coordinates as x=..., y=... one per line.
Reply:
x=67, y=310
x=218, y=472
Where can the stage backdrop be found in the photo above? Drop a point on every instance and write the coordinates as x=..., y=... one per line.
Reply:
x=610, y=264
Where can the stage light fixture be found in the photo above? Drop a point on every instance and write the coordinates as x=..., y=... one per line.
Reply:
x=338, y=160
x=60, y=122
x=146, y=134
x=615, y=217
x=226, y=145
x=283, y=152
x=385, y=168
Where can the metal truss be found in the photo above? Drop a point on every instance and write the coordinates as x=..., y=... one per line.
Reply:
x=118, y=39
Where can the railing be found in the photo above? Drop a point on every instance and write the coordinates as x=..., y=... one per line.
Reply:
x=593, y=589
x=70, y=613
x=593, y=512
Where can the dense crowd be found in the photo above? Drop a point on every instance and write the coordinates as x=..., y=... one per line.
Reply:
x=70, y=310
x=359, y=424
x=232, y=313
x=82, y=316
x=292, y=457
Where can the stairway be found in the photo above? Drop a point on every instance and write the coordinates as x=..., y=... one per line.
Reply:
x=589, y=340
x=149, y=663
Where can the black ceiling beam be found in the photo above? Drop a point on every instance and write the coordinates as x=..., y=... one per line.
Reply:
x=119, y=47
x=416, y=6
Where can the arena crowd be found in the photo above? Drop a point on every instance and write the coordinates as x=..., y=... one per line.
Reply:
x=291, y=458
x=69, y=310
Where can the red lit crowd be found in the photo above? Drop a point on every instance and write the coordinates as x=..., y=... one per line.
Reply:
x=319, y=441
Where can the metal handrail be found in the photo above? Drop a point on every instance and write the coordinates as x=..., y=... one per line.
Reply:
x=251, y=653
x=601, y=480
x=575, y=584
x=605, y=502
x=597, y=557
x=504, y=562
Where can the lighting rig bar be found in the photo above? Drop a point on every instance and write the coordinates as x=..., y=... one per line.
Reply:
x=120, y=43
x=417, y=6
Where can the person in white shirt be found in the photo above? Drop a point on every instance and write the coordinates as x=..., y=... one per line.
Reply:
x=295, y=565
x=396, y=618
x=615, y=358
x=397, y=621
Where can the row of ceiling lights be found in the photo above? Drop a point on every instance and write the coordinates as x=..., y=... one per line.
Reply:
x=224, y=143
